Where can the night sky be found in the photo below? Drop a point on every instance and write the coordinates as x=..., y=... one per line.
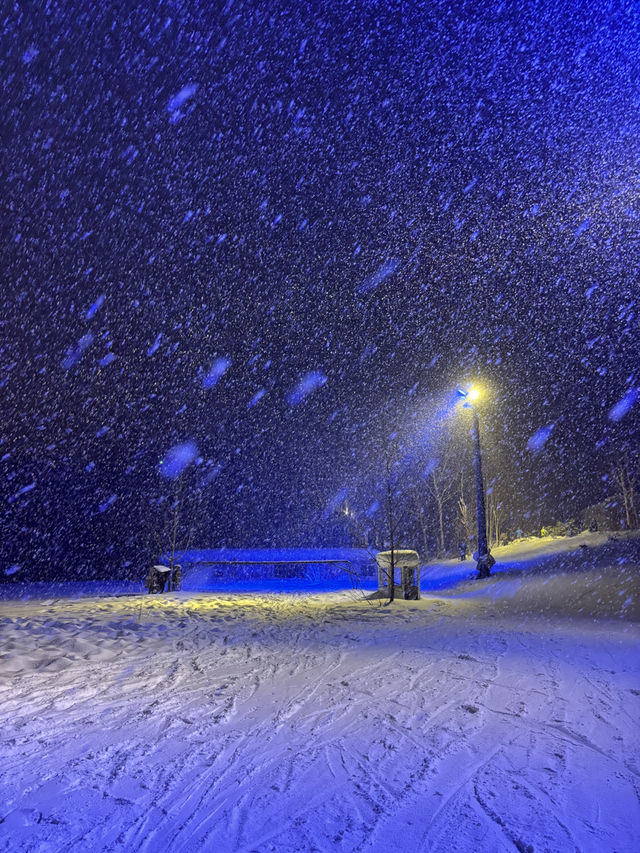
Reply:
x=273, y=235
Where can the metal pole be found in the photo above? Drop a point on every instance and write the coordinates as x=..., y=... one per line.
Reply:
x=485, y=561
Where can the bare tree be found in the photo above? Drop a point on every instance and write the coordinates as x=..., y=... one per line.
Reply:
x=392, y=508
x=440, y=485
x=177, y=549
x=358, y=532
x=420, y=515
x=626, y=477
x=464, y=517
x=173, y=538
x=391, y=517
x=495, y=519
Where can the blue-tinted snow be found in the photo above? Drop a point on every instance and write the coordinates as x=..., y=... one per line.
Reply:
x=104, y=506
x=75, y=352
x=306, y=385
x=180, y=98
x=155, y=345
x=256, y=398
x=97, y=305
x=383, y=272
x=23, y=491
x=623, y=406
x=177, y=458
x=540, y=438
x=216, y=372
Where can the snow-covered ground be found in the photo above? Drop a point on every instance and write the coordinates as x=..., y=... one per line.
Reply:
x=492, y=715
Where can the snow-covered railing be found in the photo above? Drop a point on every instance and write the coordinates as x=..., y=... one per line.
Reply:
x=345, y=565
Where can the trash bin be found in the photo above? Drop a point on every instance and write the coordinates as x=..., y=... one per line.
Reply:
x=157, y=578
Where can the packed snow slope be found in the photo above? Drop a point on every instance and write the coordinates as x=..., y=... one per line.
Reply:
x=494, y=715
x=592, y=574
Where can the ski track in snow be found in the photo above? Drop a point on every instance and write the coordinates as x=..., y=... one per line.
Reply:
x=321, y=722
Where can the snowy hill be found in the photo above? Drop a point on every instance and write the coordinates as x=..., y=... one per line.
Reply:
x=492, y=715
x=592, y=574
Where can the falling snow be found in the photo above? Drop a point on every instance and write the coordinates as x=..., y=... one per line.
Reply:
x=216, y=372
x=307, y=384
x=177, y=458
x=397, y=201
x=540, y=438
x=251, y=252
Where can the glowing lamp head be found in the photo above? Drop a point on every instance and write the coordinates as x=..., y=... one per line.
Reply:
x=469, y=396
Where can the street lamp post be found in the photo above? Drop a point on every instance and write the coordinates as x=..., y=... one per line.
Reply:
x=483, y=555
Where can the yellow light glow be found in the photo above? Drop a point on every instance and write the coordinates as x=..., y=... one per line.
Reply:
x=473, y=394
